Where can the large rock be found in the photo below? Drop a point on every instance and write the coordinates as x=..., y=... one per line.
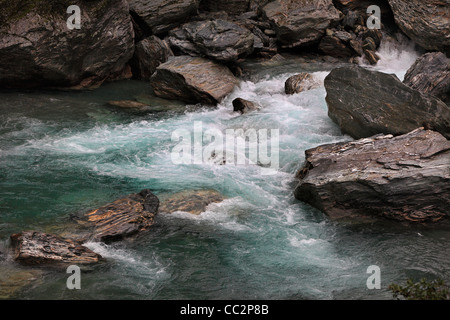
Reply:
x=38, y=49
x=232, y=7
x=406, y=178
x=364, y=103
x=300, y=22
x=424, y=21
x=217, y=39
x=162, y=15
x=193, y=80
x=431, y=74
x=299, y=83
x=37, y=248
x=191, y=201
x=122, y=218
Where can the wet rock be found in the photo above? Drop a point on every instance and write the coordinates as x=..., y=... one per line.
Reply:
x=193, y=80
x=364, y=103
x=371, y=56
x=37, y=49
x=424, y=21
x=162, y=15
x=430, y=74
x=216, y=39
x=127, y=104
x=333, y=46
x=299, y=83
x=37, y=248
x=301, y=22
x=243, y=106
x=122, y=218
x=191, y=201
x=14, y=280
x=149, y=53
x=405, y=178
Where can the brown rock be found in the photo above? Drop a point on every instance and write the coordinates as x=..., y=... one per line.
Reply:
x=191, y=201
x=299, y=83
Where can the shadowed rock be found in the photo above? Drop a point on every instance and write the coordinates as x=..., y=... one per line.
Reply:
x=243, y=106
x=404, y=178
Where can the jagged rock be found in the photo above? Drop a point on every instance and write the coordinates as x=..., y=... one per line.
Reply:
x=193, y=80
x=232, y=7
x=37, y=48
x=371, y=56
x=122, y=218
x=191, y=201
x=37, y=248
x=301, y=22
x=430, y=74
x=217, y=39
x=243, y=106
x=149, y=53
x=364, y=103
x=404, y=178
x=332, y=46
x=162, y=15
x=299, y=83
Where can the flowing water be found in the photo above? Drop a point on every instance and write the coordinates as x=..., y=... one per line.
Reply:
x=63, y=153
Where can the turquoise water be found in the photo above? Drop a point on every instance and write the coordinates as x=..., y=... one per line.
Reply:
x=62, y=153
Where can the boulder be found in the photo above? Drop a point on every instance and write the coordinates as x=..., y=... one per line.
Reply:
x=299, y=83
x=162, y=15
x=364, y=103
x=430, y=74
x=405, y=178
x=149, y=53
x=191, y=201
x=38, y=49
x=232, y=7
x=37, y=248
x=333, y=46
x=426, y=22
x=122, y=218
x=216, y=39
x=243, y=106
x=193, y=80
x=301, y=22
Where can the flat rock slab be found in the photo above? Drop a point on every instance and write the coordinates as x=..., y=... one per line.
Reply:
x=37, y=248
x=191, y=201
x=122, y=218
x=405, y=178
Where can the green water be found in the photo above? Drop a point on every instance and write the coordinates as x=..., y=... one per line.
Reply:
x=62, y=153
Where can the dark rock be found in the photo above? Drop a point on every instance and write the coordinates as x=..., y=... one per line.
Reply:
x=403, y=178
x=243, y=106
x=299, y=83
x=193, y=80
x=301, y=22
x=232, y=7
x=430, y=74
x=364, y=103
x=191, y=201
x=424, y=21
x=371, y=56
x=162, y=15
x=356, y=46
x=350, y=20
x=149, y=53
x=122, y=218
x=217, y=39
x=37, y=49
x=37, y=248
x=369, y=44
x=332, y=46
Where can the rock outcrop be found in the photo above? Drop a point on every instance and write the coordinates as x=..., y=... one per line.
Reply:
x=406, y=178
x=430, y=74
x=193, y=80
x=364, y=103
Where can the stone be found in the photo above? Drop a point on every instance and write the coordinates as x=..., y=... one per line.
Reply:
x=127, y=104
x=244, y=106
x=299, y=83
x=364, y=103
x=37, y=248
x=193, y=80
x=191, y=201
x=232, y=7
x=405, y=178
x=333, y=46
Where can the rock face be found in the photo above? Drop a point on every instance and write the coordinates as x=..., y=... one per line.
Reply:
x=243, y=106
x=37, y=248
x=162, y=15
x=299, y=83
x=122, y=218
x=430, y=74
x=364, y=103
x=217, y=39
x=300, y=22
x=149, y=53
x=424, y=21
x=191, y=201
x=193, y=80
x=405, y=178
x=38, y=49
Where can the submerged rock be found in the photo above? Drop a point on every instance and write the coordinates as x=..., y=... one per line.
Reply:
x=404, y=178
x=299, y=83
x=364, y=103
x=193, y=80
x=14, y=280
x=37, y=248
x=191, y=201
x=430, y=74
x=128, y=104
